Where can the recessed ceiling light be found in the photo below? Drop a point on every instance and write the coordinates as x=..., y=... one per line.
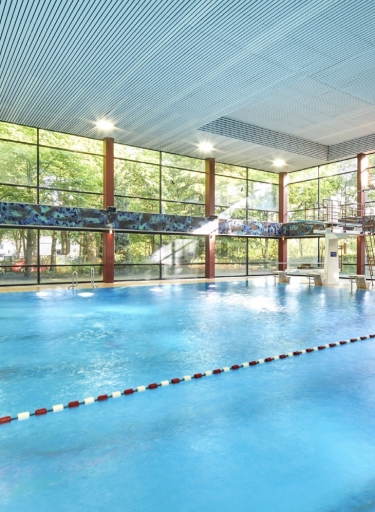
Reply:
x=104, y=124
x=278, y=162
x=206, y=147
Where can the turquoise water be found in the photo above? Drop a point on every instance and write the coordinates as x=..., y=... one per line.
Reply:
x=292, y=435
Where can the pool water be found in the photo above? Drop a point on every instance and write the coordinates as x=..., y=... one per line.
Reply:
x=292, y=435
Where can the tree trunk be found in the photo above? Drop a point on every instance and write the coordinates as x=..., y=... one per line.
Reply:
x=53, y=249
x=30, y=249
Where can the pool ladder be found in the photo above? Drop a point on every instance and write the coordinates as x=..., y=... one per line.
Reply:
x=92, y=278
x=74, y=281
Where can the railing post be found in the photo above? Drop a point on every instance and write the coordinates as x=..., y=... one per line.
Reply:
x=108, y=200
x=362, y=164
x=210, y=210
x=283, y=217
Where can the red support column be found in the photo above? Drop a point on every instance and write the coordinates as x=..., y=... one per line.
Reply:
x=108, y=200
x=210, y=210
x=362, y=183
x=283, y=217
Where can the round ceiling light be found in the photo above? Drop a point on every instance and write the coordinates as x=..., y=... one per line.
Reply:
x=104, y=125
x=279, y=162
x=205, y=147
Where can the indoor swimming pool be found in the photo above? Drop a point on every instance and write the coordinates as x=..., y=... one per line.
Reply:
x=294, y=435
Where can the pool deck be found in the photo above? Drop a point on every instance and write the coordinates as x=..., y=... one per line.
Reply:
x=344, y=283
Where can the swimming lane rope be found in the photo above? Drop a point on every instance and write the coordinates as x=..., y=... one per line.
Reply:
x=163, y=383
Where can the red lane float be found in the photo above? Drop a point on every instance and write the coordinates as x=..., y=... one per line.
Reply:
x=154, y=385
x=40, y=412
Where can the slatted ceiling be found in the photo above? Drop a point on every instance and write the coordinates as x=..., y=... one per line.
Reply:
x=165, y=68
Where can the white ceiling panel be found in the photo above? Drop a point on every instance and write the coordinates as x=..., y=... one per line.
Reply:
x=163, y=70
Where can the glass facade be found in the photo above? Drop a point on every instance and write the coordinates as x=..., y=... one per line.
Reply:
x=45, y=167
x=152, y=256
x=242, y=256
x=243, y=193
x=158, y=182
x=33, y=256
x=310, y=189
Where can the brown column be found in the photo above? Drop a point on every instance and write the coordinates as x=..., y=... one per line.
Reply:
x=283, y=217
x=108, y=200
x=210, y=210
x=362, y=183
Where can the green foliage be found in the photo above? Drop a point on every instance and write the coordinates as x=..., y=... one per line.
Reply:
x=17, y=132
x=70, y=142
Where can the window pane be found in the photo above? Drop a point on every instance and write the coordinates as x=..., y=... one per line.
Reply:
x=137, y=248
x=230, y=249
x=302, y=195
x=348, y=256
x=18, y=275
x=194, y=210
x=18, y=132
x=68, y=198
x=230, y=256
x=262, y=255
x=182, y=186
x=182, y=256
x=70, y=247
x=129, y=204
x=184, y=250
x=71, y=142
x=18, y=163
x=63, y=274
x=178, y=271
x=263, y=215
x=138, y=154
x=12, y=194
x=230, y=192
x=61, y=169
x=306, y=174
x=263, y=196
x=18, y=256
x=268, y=177
x=230, y=170
x=183, y=162
x=342, y=188
x=136, y=272
x=230, y=269
x=136, y=179
x=338, y=167
x=303, y=251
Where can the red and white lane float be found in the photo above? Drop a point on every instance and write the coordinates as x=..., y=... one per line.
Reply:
x=139, y=389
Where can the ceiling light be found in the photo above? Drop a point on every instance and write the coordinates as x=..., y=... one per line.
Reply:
x=104, y=124
x=206, y=147
x=278, y=162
